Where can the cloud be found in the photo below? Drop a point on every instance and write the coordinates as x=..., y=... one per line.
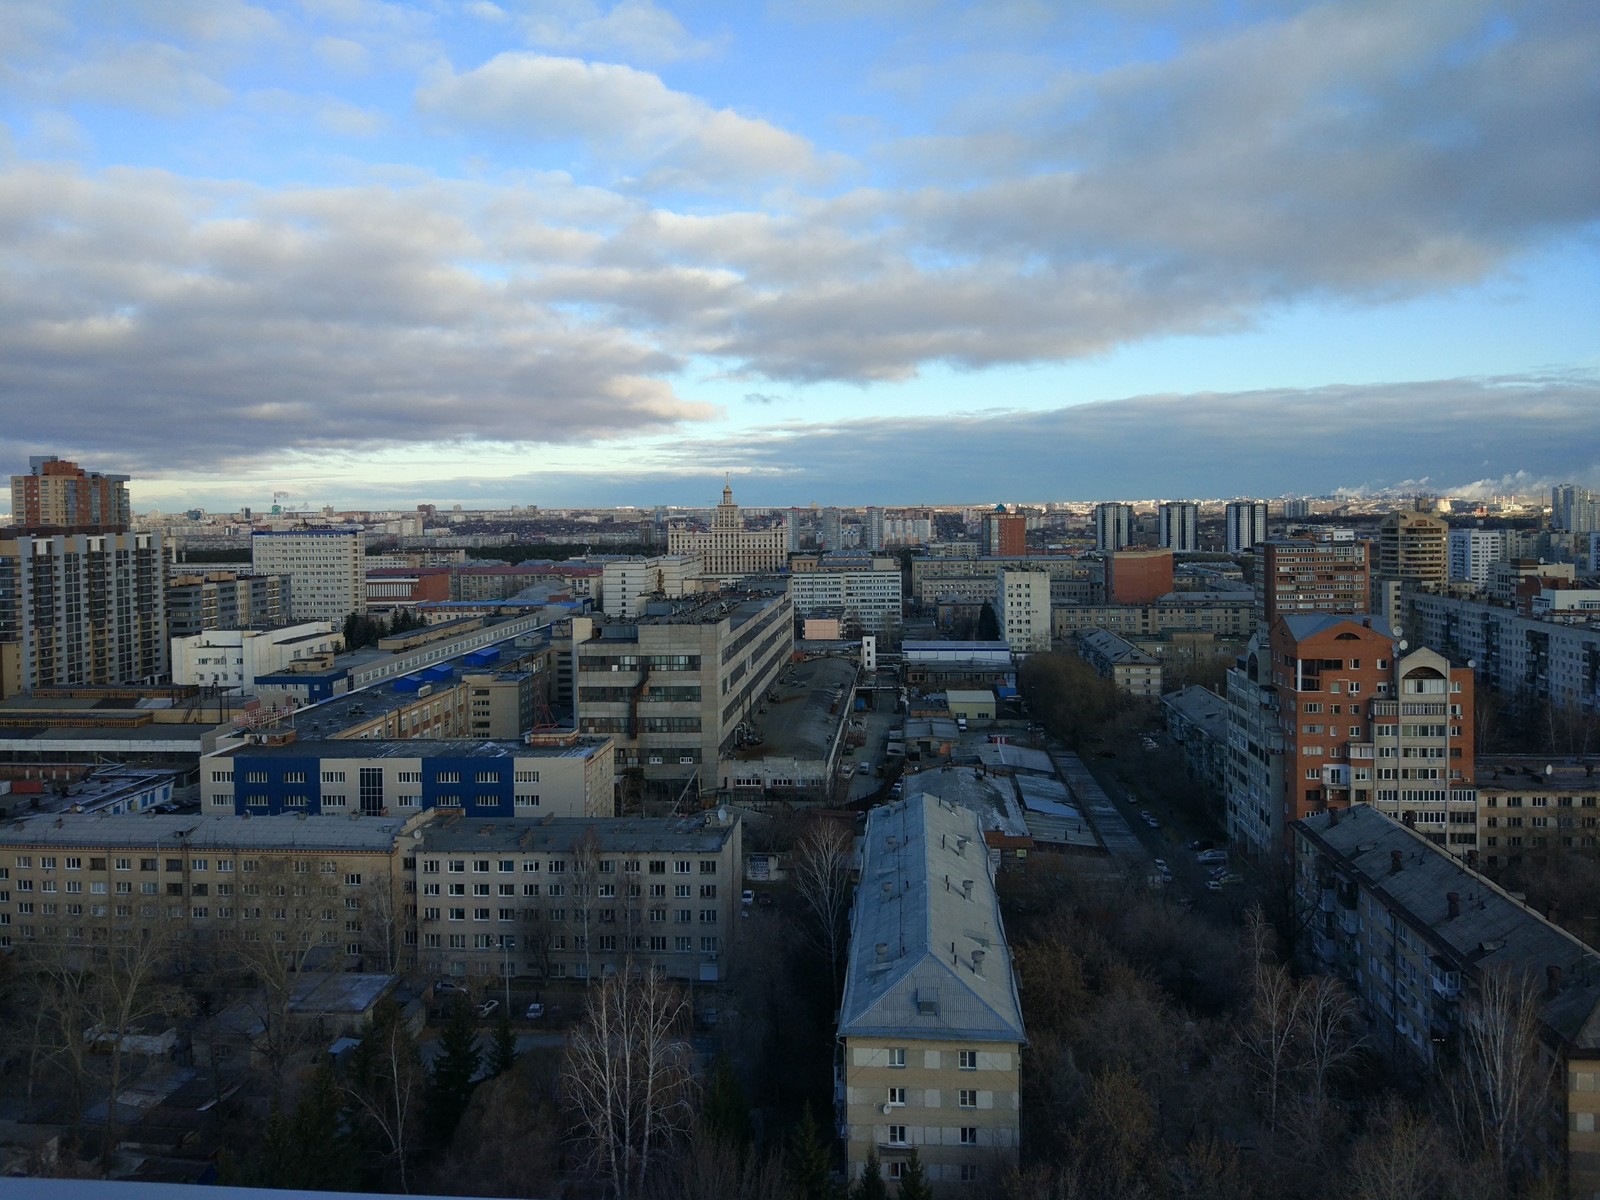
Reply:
x=152, y=318
x=764, y=398
x=633, y=30
x=1455, y=432
x=148, y=77
x=619, y=114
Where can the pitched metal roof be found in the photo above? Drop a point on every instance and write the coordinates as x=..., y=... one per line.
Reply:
x=928, y=953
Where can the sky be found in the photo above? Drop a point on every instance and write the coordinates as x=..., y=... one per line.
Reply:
x=577, y=252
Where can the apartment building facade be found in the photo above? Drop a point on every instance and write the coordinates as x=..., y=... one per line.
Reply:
x=1022, y=607
x=627, y=582
x=1416, y=935
x=1119, y=660
x=1113, y=526
x=578, y=899
x=80, y=881
x=56, y=494
x=1244, y=525
x=1413, y=549
x=1179, y=522
x=865, y=598
x=930, y=1039
x=326, y=568
x=197, y=603
x=1522, y=658
x=81, y=608
x=1297, y=575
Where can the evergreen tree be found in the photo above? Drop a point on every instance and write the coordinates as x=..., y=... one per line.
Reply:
x=725, y=1114
x=503, y=1052
x=871, y=1186
x=310, y=1148
x=450, y=1081
x=808, y=1160
x=988, y=624
x=914, y=1180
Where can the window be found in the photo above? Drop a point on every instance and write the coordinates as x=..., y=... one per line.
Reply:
x=897, y=1135
x=967, y=1098
x=897, y=1056
x=897, y=1096
x=969, y=1135
x=969, y=1172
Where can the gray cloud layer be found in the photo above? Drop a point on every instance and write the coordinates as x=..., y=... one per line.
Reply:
x=1352, y=151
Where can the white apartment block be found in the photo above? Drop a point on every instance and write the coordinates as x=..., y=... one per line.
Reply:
x=627, y=583
x=1113, y=526
x=1022, y=606
x=1473, y=552
x=1180, y=526
x=1246, y=524
x=867, y=601
x=1520, y=657
x=327, y=569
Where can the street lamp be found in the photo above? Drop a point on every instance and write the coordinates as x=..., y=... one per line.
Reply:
x=505, y=972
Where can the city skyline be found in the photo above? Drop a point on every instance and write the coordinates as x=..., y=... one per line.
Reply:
x=602, y=254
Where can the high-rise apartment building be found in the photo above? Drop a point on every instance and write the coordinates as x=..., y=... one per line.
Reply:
x=1356, y=723
x=1413, y=548
x=729, y=549
x=326, y=567
x=225, y=600
x=1246, y=524
x=1473, y=552
x=1113, y=526
x=1004, y=534
x=81, y=608
x=56, y=494
x=1574, y=509
x=1180, y=526
x=1296, y=510
x=1295, y=575
x=874, y=528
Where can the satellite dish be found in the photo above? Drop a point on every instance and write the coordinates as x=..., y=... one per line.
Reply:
x=722, y=815
x=1403, y=643
x=1550, y=769
x=1472, y=664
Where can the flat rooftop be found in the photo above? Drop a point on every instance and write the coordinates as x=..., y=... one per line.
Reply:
x=222, y=831
x=557, y=835
x=586, y=747
x=798, y=724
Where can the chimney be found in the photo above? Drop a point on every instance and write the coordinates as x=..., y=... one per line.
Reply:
x=1333, y=817
x=883, y=950
x=1552, y=980
x=977, y=962
x=1453, y=899
x=966, y=888
x=1394, y=862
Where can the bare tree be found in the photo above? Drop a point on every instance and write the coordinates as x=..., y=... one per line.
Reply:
x=585, y=881
x=1328, y=1017
x=130, y=985
x=820, y=873
x=282, y=918
x=383, y=919
x=387, y=1084
x=1400, y=1158
x=627, y=1077
x=1505, y=1084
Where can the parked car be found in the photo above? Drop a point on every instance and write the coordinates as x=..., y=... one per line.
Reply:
x=449, y=987
x=1212, y=857
x=747, y=897
x=535, y=1012
x=487, y=1008
x=1230, y=877
x=1213, y=886
x=764, y=899
x=1161, y=865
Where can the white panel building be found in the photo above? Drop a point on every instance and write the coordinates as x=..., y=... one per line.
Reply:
x=1022, y=606
x=230, y=660
x=327, y=569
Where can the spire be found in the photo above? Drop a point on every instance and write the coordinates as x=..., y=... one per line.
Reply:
x=727, y=488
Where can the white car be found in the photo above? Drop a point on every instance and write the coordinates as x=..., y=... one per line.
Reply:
x=747, y=898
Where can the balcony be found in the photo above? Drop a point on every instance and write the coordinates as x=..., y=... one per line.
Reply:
x=1336, y=775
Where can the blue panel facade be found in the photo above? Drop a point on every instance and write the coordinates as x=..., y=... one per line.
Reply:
x=480, y=787
x=272, y=785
